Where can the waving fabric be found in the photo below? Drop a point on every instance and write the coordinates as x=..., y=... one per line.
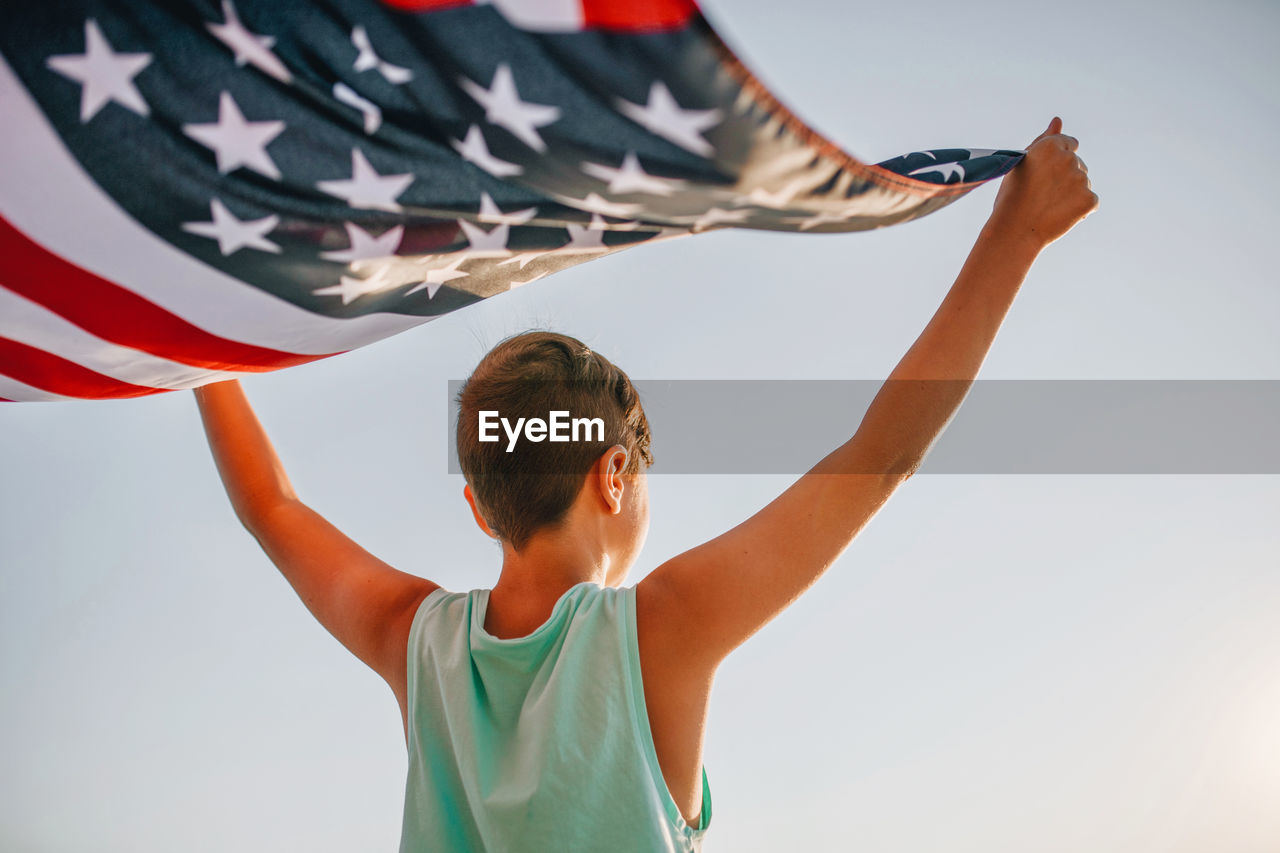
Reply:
x=192, y=190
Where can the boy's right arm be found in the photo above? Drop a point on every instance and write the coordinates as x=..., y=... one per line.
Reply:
x=365, y=603
x=702, y=604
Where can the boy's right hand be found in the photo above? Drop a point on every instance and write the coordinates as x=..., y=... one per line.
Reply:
x=1048, y=192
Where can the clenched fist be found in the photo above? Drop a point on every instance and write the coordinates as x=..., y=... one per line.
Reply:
x=1048, y=192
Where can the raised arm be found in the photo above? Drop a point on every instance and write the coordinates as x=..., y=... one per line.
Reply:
x=365, y=603
x=702, y=604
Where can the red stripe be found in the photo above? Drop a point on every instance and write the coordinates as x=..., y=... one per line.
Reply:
x=49, y=372
x=637, y=14
x=620, y=15
x=122, y=316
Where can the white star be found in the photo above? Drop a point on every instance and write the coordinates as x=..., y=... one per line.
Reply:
x=364, y=245
x=237, y=142
x=351, y=289
x=474, y=150
x=944, y=169
x=367, y=188
x=490, y=212
x=663, y=116
x=503, y=107
x=975, y=153
x=585, y=239
x=594, y=203
x=102, y=74
x=631, y=177
x=523, y=258
x=248, y=47
x=486, y=244
x=437, y=277
x=717, y=216
x=932, y=156
x=234, y=234
x=368, y=58
x=350, y=97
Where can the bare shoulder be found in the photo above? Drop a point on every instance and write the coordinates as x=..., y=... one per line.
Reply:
x=662, y=625
x=704, y=603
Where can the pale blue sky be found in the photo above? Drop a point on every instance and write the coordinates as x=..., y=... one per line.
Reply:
x=999, y=663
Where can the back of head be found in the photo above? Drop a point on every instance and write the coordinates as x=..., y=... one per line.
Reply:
x=524, y=486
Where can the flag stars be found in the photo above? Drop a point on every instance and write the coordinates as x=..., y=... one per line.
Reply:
x=370, y=111
x=351, y=289
x=367, y=59
x=503, y=107
x=595, y=203
x=944, y=169
x=366, y=188
x=663, y=116
x=234, y=234
x=103, y=74
x=524, y=258
x=631, y=177
x=490, y=212
x=365, y=246
x=585, y=239
x=474, y=150
x=486, y=244
x=719, y=216
x=248, y=48
x=436, y=278
x=237, y=142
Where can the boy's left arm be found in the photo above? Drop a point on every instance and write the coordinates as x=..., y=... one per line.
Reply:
x=699, y=606
x=365, y=603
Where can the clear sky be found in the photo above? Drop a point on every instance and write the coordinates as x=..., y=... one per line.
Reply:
x=999, y=663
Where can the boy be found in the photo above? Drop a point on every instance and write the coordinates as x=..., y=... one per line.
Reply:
x=560, y=710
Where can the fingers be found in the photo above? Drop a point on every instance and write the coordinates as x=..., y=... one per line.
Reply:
x=1080, y=170
x=1054, y=131
x=1055, y=126
x=1059, y=140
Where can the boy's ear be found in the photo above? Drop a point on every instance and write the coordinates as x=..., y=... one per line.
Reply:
x=609, y=478
x=475, y=511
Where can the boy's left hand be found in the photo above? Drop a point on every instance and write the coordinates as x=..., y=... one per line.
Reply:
x=1048, y=193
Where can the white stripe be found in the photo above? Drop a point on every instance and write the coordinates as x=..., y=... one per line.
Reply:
x=47, y=196
x=552, y=16
x=36, y=326
x=12, y=389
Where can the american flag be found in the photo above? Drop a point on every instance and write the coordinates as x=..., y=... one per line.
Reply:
x=195, y=189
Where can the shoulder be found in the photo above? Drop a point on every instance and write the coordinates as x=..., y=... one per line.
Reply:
x=664, y=633
x=437, y=604
x=588, y=597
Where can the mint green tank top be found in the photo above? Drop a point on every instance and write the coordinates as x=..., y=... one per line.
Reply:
x=540, y=743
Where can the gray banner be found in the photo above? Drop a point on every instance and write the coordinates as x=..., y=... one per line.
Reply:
x=1004, y=426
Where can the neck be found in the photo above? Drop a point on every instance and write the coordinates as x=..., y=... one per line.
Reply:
x=534, y=578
